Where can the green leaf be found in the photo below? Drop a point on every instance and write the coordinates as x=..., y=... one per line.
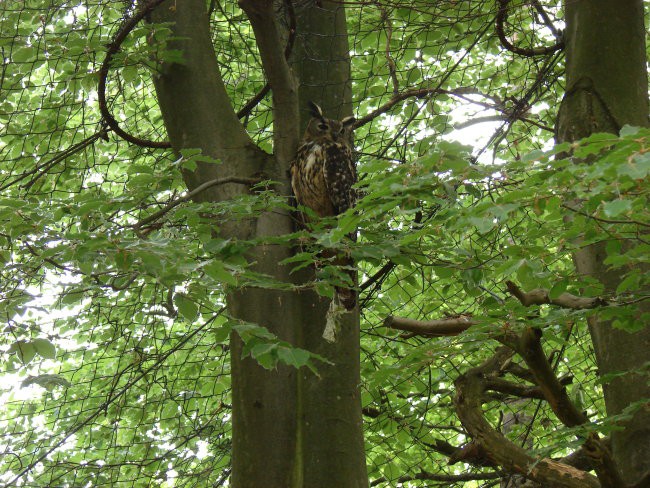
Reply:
x=218, y=272
x=265, y=355
x=616, y=207
x=25, y=351
x=186, y=307
x=47, y=381
x=293, y=356
x=557, y=289
x=44, y=348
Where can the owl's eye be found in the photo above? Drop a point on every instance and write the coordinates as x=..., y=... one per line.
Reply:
x=322, y=126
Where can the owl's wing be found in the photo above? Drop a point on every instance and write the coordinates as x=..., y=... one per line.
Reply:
x=340, y=174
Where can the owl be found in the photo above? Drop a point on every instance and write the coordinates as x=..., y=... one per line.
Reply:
x=323, y=173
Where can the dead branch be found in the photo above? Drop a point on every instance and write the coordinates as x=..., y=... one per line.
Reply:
x=451, y=326
x=540, y=296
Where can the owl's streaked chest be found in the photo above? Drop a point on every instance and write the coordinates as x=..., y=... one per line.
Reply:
x=308, y=179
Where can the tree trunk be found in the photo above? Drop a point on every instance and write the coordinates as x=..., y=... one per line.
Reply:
x=332, y=404
x=606, y=89
x=290, y=428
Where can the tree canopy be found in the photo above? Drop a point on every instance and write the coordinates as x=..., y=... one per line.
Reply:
x=473, y=320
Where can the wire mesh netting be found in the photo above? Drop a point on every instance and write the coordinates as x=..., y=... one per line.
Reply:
x=104, y=381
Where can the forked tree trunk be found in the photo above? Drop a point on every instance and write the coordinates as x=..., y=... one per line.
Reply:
x=607, y=88
x=290, y=428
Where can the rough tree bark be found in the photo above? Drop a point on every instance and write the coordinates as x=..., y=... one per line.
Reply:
x=606, y=89
x=290, y=428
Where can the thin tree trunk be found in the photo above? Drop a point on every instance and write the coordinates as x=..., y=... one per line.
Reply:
x=606, y=89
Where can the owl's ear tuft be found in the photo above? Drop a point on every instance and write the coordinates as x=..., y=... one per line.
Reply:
x=348, y=121
x=315, y=110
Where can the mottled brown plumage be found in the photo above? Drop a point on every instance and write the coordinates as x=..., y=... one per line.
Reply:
x=323, y=173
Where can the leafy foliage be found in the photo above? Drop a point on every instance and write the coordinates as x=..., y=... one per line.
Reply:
x=115, y=346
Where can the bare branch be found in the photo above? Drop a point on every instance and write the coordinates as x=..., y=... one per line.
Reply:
x=392, y=68
x=113, y=48
x=540, y=296
x=521, y=391
x=528, y=346
x=501, y=19
x=188, y=196
x=451, y=326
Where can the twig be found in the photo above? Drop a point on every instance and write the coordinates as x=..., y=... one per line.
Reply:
x=600, y=219
x=392, y=67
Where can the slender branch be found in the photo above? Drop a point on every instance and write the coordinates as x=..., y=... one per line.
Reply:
x=500, y=118
x=188, y=196
x=501, y=19
x=113, y=48
x=521, y=391
x=606, y=221
x=547, y=21
x=392, y=67
x=62, y=156
x=540, y=296
x=412, y=93
x=451, y=326
x=384, y=270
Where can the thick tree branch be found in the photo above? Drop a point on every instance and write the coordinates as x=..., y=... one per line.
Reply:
x=540, y=296
x=252, y=103
x=197, y=109
x=451, y=326
x=471, y=388
x=263, y=19
x=528, y=346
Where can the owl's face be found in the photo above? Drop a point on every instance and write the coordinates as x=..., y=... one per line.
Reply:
x=321, y=129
